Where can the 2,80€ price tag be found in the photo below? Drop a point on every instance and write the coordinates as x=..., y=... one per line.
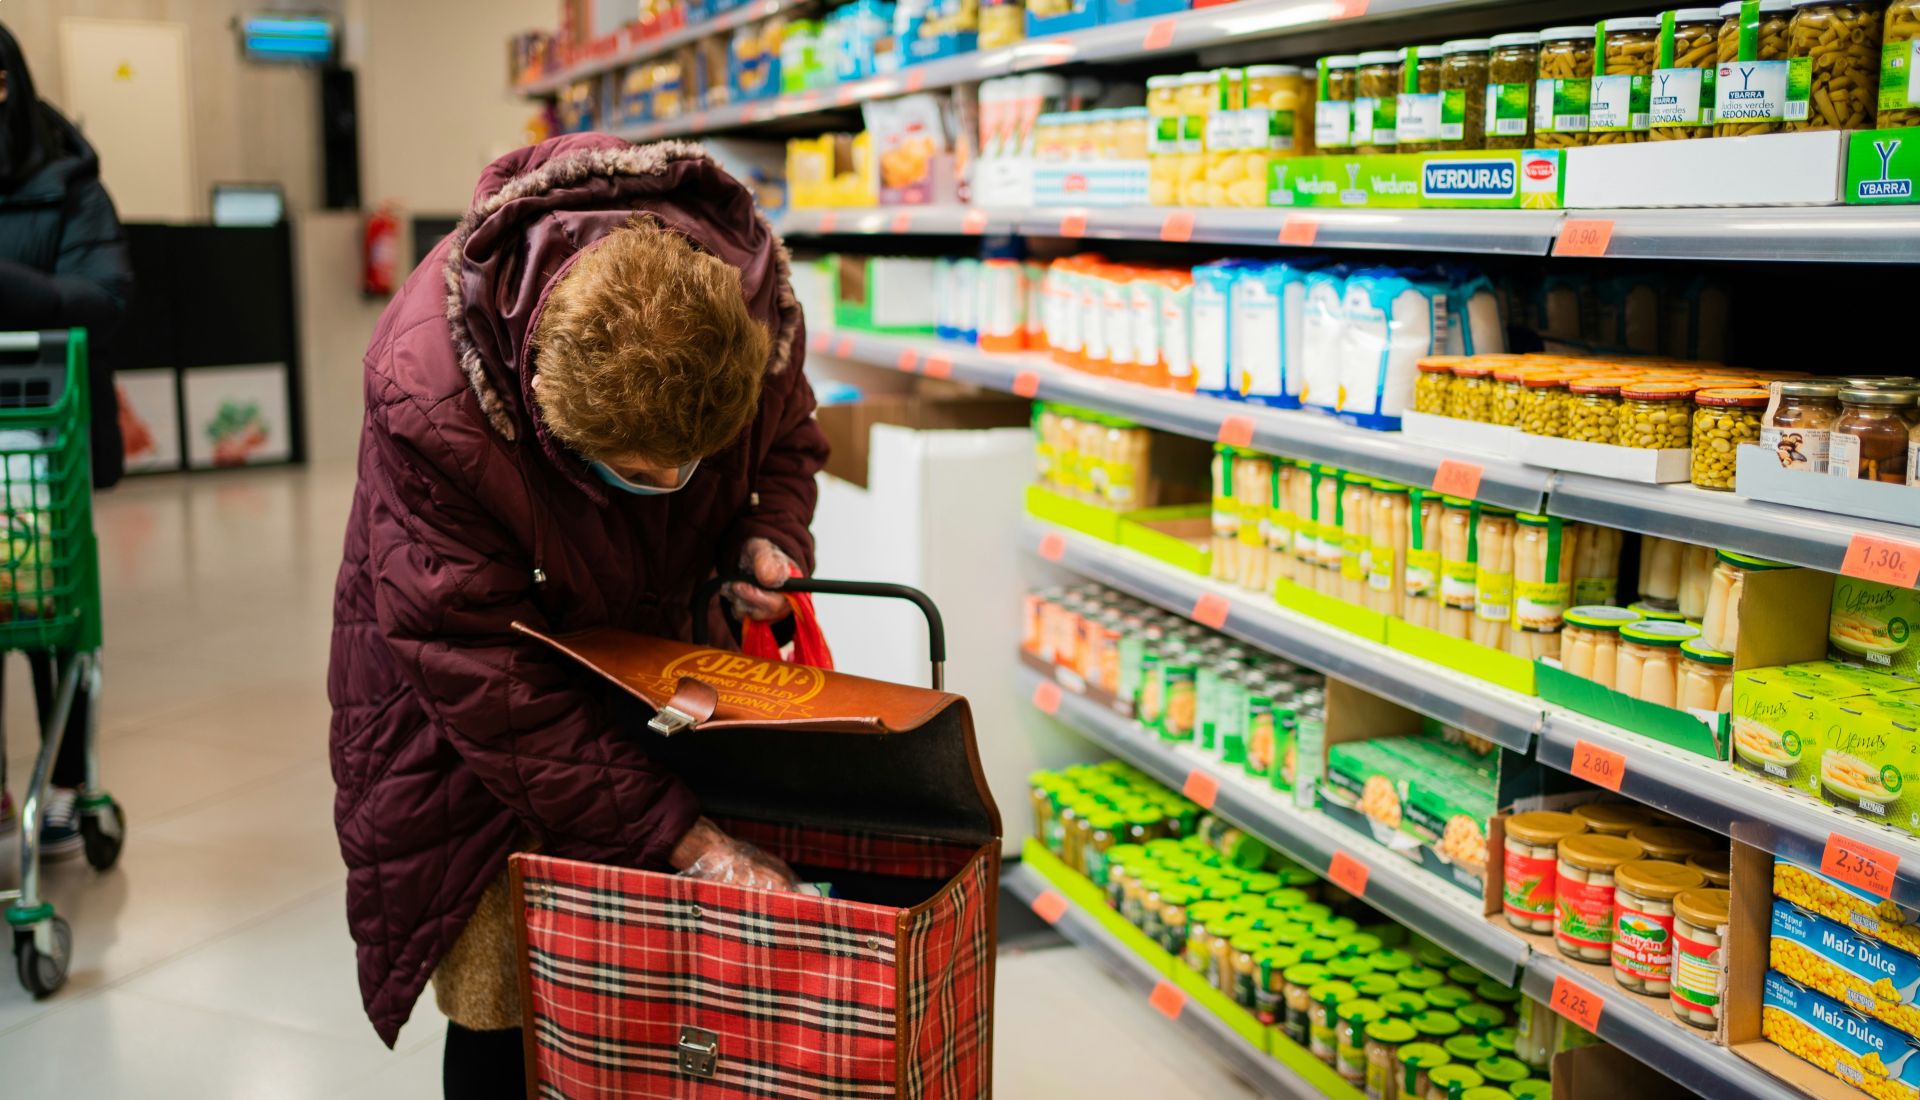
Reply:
x=1860, y=864
x=1601, y=767
x=1577, y=1003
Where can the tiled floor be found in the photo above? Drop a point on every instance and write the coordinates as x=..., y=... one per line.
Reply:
x=214, y=961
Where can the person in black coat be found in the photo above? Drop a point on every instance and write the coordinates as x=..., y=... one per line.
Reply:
x=63, y=264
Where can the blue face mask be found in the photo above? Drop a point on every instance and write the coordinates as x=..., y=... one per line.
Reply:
x=607, y=475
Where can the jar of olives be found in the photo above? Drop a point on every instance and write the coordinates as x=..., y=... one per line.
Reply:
x=1463, y=93
x=1722, y=420
x=1507, y=392
x=1432, y=384
x=1833, y=47
x=1899, y=99
x=1622, y=86
x=1543, y=406
x=1513, y=62
x=1593, y=411
x=1563, y=87
x=1417, y=108
x=1333, y=103
x=1870, y=437
x=1376, y=98
x=1656, y=415
x=1756, y=103
x=1684, y=76
x=1584, y=885
x=1470, y=396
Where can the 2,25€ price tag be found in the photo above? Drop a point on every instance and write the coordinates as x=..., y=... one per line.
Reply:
x=1577, y=1003
x=1598, y=766
x=1860, y=864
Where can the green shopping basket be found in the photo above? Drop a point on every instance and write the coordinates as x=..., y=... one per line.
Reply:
x=50, y=602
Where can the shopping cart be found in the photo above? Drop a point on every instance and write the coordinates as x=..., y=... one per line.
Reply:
x=639, y=983
x=50, y=603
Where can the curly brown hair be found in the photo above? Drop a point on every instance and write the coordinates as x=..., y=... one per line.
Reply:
x=645, y=349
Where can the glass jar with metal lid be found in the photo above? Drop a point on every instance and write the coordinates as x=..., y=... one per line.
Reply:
x=1723, y=418
x=1244, y=955
x=1869, y=441
x=1834, y=45
x=1451, y=1081
x=1798, y=427
x=1435, y=1026
x=1590, y=643
x=1648, y=664
x=1470, y=395
x=1433, y=384
x=1417, y=108
x=1756, y=104
x=1174, y=900
x=1622, y=85
x=1672, y=843
x=1375, y=100
x=1333, y=102
x=1403, y=1002
x=1469, y=1049
x=1501, y=1070
x=1513, y=63
x=1204, y=919
x=1529, y=853
x=1350, y=1039
x=1270, y=1003
x=1384, y=1040
x=1656, y=415
x=1593, y=409
x=1543, y=403
x=1716, y=864
x=1422, y=980
x=1643, y=922
x=1684, y=75
x=1706, y=679
x=1584, y=887
x=1323, y=1017
x=1416, y=1062
x=1563, y=87
x=1358, y=944
x=1481, y=1018
x=1533, y=1088
x=1508, y=389
x=1699, y=955
x=1459, y=565
x=1493, y=577
x=1449, y=997
x=1463, y=93
x=1300, y=980
x=1880, y=382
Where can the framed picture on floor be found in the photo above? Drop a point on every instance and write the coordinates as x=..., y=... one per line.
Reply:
x=237, y=416
x=149, y=419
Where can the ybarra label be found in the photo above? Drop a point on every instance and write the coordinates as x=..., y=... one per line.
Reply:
x=1469, y=179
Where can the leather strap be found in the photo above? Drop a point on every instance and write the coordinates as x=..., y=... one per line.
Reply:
x=693, y=702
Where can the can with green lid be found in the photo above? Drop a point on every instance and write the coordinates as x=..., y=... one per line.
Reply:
x=1486, y=1092
x=1533, y=1088
x=1323, y=1016
x=1286, y=897
x=1493, y=992
x=1418, y=1060
x=1481, y=1018
x=1446, y=997
x=1502, y=1070
x=1469, y=1048
x=1313, y=912
x=1465, y=974
x=1391, y=960
x=1318, y=950
x=1384, y=1040
x=1376, y=985
x=1503, y=1038
x=1350, y=1038
x=1269, y=1002
x=1359, y=943
x=1300, y=977
x=1435, y=1025
x=1420, y=979
x=1403, y=1003
x=1444, y=1081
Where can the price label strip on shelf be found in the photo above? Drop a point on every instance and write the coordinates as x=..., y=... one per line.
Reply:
x=1455, y=478
x=1601, y=767
x=1348, y=874
x=1026, y=384
x=1236, y=431
x=974, y=224
x=902, y=223
x=821, y=342
x=1584, y=237
x=1046, y=697
x=1210, y=611
x=1872, y=558
x=1050, y=906
x=1201, y=788
x=1159, y=35
x=1348, y=9
x=845, y=350
x=1859, y=864
x=828, y=220
x=909, y=359
x=1577, y=1003
x=1177, y=226
x=916, y=79
x=1299, y=230
x=939, y=366
x=1073, y=223
x=1053, y=546
x=1167, y=1000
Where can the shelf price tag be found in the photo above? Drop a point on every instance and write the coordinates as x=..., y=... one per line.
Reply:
x=1053, y=545
x=1073, y=223
x=1601, y=767
x=1050, y=906
x=844, y=97
x=1348, y=9
x=902, y=223
x=1584, y=237
x=1577, y=1003
x=1046, y=697
x=975, y=223
x=909, y=358
x=1872, y=558
x=845, y=348
x=1168, y=1000
x=1458, y=479
x=1210, y=610
x=828, y=220
x=1201, y=788
x=1860, y=864
x=939, y=366
x=916, y=79
x=1159, y=35
x=1299, y=229
x=1026, y=384
x=821, y=342
x=1236, y=431
x=1178, y=226
x=1348, y=874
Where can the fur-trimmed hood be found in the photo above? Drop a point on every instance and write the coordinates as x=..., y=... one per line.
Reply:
x=538, y=207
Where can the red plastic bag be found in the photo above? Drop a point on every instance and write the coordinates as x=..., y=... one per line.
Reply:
x=809, y=642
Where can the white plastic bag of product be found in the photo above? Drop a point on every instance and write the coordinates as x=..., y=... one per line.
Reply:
x=1393, y=319
x=1293, y=329
x=1255, y=331
x=1473, y=315
x=1212, y=325
x=1326, y=319
x=965, y=290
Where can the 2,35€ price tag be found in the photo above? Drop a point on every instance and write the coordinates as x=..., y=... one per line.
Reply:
x=1860, y=864
x=1577, y=1003
x=1872, y=558
x=1598, y=766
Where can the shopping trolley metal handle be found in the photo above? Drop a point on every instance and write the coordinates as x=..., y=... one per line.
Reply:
x=936, y=627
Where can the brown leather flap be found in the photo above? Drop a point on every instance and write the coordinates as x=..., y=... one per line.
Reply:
x=772, y=738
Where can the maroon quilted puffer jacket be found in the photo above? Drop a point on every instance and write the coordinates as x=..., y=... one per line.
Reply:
x=451, y=737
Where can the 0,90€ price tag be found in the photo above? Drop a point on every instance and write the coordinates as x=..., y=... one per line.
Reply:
x=1872, y=558
x=1577, y=1003
x=1584, y=237
x=1601, y=767
x=1859, y=864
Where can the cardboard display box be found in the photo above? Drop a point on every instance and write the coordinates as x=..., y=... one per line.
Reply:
x=1496, y=440
x=1760, y=476
x=848, y=427
x=1663, y=466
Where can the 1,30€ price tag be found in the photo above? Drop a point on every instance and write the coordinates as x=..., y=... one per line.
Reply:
x=1073, y=223
x=1026, y=384
x=1860, y=864
x=1598, y=766
x=939, y=366
x=1348, y=874
x=1201, y=788
x=1888, y=561
x=909, y=359
x=975, y=223
x=1050, y=906
x=1577, y=1003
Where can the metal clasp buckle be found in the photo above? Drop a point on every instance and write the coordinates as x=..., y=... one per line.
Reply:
x=669, y=721
x=699, y=1051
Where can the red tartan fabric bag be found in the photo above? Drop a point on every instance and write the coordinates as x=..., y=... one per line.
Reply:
x=636, y=983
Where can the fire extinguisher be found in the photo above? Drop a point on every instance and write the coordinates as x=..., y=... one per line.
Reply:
x=380, y=252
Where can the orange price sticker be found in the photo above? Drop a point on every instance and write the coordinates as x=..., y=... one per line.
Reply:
x=1046, y=697
x=939, y=366
x=1026, y=384
x=1458, y=479
x=1236, y=431
x=1299, y=229
x=1348, y=9
x=1577, y=1003
x=845, y=349
x=843, y=97
x=1348, y=874
x=1584, y=237
x=1073, y=223
x=1860, y=864
x=1601, y=767
x=1050, y=906
x=828, y=220
x=821, y=342
x=1053, y=545
x=1178, y=226
x=1168, y=1000
x=908, y=359
x=902, y=222
x=1210, y=611
x=1201, y=789
x=1159, y=35
x=916, y=79
x=975, y=223
x=1872, y=558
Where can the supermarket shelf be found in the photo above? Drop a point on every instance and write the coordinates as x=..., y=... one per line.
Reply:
x=1716, y=796
x=1296, y=434
x=1643, y=1028
x=1270, y=1077
x=1505, y=717
x=896, y=221
x=1878, y=234
x=638, y=49
x=1441, y=912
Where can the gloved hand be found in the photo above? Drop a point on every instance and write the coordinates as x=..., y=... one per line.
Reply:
x=707, y=853
x=771, y=567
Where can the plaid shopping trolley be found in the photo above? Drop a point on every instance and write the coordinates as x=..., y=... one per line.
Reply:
x=636, y=983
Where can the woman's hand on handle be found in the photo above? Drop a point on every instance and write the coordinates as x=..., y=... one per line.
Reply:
x=770, y=567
